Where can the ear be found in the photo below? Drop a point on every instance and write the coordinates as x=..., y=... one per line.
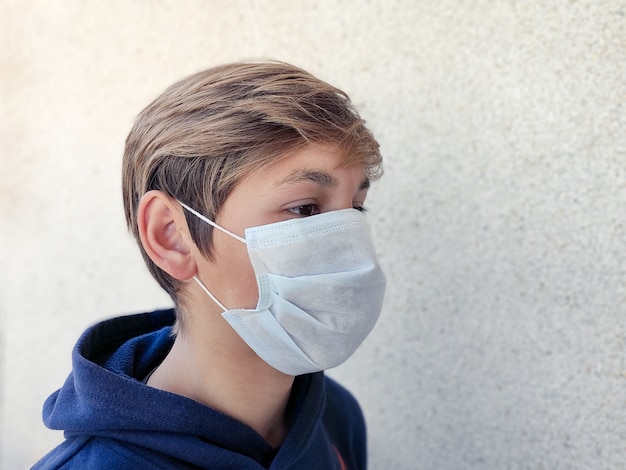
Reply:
x=164, y=235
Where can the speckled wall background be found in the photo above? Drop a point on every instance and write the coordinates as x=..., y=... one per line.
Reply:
x=500, y=220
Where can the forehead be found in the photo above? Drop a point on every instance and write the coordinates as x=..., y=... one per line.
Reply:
x=322, y=164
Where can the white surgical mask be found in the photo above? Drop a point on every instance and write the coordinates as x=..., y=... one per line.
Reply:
x=320, y=290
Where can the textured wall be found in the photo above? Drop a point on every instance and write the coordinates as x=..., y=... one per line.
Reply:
x=499, y=220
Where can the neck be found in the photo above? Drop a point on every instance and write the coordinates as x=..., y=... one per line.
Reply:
x=211, y=364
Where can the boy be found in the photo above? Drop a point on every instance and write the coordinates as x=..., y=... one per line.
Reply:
x=244, y=186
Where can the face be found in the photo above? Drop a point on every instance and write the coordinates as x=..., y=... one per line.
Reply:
x=307, y=183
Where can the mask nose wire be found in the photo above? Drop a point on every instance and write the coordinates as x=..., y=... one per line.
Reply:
x=211, y=223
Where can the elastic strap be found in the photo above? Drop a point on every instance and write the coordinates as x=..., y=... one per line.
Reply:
x=208, y=292
x=213, y=224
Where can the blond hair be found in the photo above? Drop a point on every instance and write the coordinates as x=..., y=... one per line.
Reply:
x=205, y=133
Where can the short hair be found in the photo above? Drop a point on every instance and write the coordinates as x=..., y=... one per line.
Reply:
x=207, y=132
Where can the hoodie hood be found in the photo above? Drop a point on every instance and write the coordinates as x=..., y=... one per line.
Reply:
x=105, y=400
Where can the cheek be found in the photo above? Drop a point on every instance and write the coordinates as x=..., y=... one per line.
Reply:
x=234, y=275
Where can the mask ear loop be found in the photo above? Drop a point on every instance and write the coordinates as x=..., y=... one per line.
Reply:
x=208, y=292
x=227, y=232
x=211, y=223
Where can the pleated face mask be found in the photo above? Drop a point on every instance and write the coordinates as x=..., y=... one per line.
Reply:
x=320, y=290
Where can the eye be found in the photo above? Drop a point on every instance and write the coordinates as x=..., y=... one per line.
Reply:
x=360, y=208
x=305, y=210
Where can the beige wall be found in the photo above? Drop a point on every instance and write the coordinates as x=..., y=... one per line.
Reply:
x=500, y=219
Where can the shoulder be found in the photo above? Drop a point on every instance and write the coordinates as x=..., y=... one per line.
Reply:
x=345, y=424
x=93, y=453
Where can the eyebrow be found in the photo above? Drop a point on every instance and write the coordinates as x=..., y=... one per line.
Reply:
x=319, y=177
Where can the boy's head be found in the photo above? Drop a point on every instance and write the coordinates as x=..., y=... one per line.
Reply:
x=206, y=133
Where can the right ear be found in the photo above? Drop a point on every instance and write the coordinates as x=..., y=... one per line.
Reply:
x=164, y=235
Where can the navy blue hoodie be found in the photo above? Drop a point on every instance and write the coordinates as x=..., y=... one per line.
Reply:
x=113, y=420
